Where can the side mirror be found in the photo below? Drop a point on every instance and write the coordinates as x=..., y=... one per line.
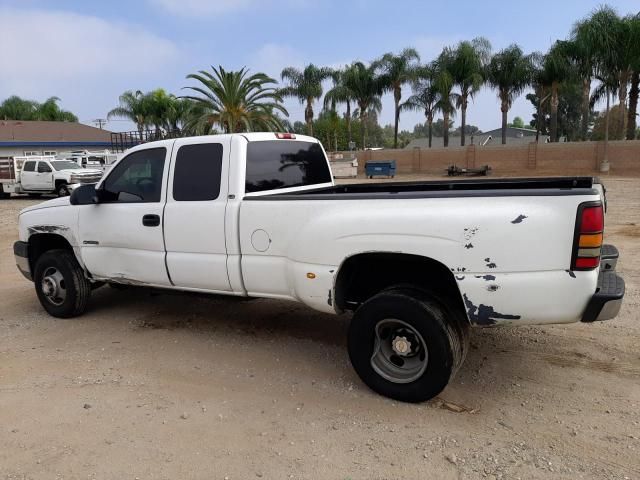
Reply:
x=84, y=195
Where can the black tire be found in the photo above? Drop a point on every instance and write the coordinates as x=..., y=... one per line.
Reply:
x=4, y=195
x=77, y=289
x=62, y=190
x=443, y=331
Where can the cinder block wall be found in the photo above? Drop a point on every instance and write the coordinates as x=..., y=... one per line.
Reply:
x=576, y=158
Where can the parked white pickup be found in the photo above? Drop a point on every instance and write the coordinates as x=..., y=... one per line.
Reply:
x=36, y=175
x=258, y=215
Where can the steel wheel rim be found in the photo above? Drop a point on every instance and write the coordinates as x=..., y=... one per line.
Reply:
x=400, y=353
x=53, y=286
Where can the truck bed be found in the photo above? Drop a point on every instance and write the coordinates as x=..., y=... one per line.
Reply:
x=537, y=186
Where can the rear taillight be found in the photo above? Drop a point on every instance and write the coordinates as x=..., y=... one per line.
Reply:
x=286, y=136
x=588, y=237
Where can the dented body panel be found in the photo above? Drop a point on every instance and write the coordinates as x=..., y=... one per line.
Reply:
x=509, y=250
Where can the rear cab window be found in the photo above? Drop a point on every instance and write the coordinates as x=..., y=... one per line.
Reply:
x=280, y=164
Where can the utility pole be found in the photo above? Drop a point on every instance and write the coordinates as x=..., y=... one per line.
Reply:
x=100, y=122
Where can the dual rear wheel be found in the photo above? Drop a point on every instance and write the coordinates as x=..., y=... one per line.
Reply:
x=405, y=344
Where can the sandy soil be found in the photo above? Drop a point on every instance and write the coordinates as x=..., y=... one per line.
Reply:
x=170, y=387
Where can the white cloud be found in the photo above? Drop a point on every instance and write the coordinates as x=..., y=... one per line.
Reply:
x=199, y=8
x=203, y=7
x=271, y=58
x=85, y=60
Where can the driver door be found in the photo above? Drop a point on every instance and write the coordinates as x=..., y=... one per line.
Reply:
x=121, y=237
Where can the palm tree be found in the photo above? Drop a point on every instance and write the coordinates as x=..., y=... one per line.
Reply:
x=49, y=110
x=306, y=86
x=556, y=70
x=634, y=91
x=444, y=83
x=601, y=32
x=235, y=101
x=583, y=59
x=396, y=71
x=510, y=72
x=16, y=108
x=366, y=87
x=540, y=85
x=425, y=97
x=340, y=93
x=133, y=106
x=468, y=70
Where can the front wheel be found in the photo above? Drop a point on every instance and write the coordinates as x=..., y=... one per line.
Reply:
x=404, y=345
x=61, y=286
x=63, y=190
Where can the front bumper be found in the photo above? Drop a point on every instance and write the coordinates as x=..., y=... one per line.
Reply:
x=21, y=254
x=607, y=300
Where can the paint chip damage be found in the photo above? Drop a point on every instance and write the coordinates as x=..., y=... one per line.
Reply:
x=485, y=314
x=519, y=219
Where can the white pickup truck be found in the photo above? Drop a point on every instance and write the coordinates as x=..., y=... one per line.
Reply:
x=258, y=215
x=36, y=175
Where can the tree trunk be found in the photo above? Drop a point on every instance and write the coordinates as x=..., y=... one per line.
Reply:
x=622, y=95
x=504, y=108
x=463, y=118
x=445, y=116
x=633, y=105
x=538, y=112
x=430, y=127
x=604, y=166
x=348, y=119
x=308, y=117
x=586, y=110
x=397, y=95
x=554, y=112
x=362, y=127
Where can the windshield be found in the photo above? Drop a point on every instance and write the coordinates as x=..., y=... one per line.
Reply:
x=64, y=165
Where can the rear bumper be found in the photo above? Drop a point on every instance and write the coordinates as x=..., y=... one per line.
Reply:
x=21, y=254
x=607, y=300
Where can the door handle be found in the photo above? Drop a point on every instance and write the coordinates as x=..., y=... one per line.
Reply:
x=151, y=220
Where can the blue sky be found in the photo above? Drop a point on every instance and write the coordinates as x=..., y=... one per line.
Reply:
x=88, y=52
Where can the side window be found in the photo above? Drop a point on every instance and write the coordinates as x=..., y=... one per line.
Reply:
x=197, y=172
x=29, y=166
x=137, y=178
x=277, y=164
x=43, y=167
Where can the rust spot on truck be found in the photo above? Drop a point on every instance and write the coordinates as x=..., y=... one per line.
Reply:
x=518, y=219
x=485, y=315
x=470, y=232
x=487, y=278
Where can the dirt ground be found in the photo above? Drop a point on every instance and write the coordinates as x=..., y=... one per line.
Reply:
x=174, y=387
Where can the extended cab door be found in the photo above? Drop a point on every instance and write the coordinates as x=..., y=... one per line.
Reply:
x=194, y=217
x=44, y=176
x=121, y=237
x=28, y=175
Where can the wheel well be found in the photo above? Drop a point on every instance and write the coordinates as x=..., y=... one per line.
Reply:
x=362, y=276
x=40, y=243
x=60, y=182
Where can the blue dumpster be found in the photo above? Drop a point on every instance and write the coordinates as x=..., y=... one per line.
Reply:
x=385, y=168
